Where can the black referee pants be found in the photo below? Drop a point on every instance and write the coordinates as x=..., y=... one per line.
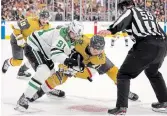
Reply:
x=148, y=55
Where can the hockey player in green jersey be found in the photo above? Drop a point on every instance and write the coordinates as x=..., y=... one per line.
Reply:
x=43, y=49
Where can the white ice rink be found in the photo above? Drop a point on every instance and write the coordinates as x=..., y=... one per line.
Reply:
x=82, y=96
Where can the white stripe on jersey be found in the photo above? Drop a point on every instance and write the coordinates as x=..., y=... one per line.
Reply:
x=139, y=24
x=149, y=28
x=37, y=57
x=122, y=18
x=135, y=31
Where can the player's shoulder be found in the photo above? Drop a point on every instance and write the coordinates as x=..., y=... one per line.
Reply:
x=99, y=59
x=25, y=23
x=84, y=40
x=33, y=18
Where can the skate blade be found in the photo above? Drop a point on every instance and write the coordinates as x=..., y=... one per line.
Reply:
x=122, y=114
x=23, y=77
x=161, y=110
x=20, y=109
x=54, y=96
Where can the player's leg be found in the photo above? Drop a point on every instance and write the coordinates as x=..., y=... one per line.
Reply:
x=22, y=73
x=136, y=61
x=56, y=79
x=111, y=70
x=17, y=53
x=42, y=71
x=48, y=86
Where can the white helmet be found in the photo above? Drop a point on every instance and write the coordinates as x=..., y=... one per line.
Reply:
x=76, y=27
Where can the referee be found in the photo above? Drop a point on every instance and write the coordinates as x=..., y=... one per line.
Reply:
x=147, y=54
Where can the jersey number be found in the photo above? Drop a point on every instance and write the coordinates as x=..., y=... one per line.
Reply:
x=60, y=44
x=146, y=16
x=43, y=31
x=23, y=23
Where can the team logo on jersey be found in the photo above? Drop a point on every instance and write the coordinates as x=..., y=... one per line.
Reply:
x=80, y=41
x=100, y=56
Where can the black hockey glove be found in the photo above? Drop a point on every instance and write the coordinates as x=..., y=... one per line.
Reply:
x=50, y=64
x=74, y=55
x=72, y=62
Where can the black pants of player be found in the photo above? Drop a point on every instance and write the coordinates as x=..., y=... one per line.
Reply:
x=148, y=55
x=36, y=58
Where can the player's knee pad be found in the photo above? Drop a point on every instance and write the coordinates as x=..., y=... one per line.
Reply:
x=15, y=62
x=112, y=73
x=55, y=80
x=42, y=73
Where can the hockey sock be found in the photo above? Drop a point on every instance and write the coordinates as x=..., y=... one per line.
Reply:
x=33, y=87
x=42, y=73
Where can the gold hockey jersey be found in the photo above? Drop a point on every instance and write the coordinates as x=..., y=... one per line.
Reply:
x=28, y=26
x=81, y=45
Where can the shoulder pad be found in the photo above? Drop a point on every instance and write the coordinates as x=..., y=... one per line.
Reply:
x=23, y=24
x=47, y=26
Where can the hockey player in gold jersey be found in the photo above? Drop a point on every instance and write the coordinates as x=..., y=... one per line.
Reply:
x=91, y=59
x=21, y=30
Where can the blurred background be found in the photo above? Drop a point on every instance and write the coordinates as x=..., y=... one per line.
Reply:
x=83, y=10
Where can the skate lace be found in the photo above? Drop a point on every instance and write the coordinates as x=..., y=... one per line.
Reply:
x=23, y=101
x=55, y=91
x=26, y=73
x=6, y=65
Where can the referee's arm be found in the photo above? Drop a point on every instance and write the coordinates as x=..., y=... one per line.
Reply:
x=122, y=22
x=161, y=30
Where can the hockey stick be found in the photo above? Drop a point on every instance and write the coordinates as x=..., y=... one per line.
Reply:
x=79, y=65
x=78, y=61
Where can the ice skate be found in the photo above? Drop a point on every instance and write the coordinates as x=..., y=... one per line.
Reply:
x=57, y=93
x=23, y=74
x=133, y=96
x=118, y=111
x=22, y=104
x=159, y=107
x=39, y=94
x=5, y=66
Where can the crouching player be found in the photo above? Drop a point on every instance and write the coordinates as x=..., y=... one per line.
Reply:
x=43, y=49
x=90, y=52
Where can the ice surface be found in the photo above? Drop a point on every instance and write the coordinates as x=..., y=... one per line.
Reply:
x=82, y=96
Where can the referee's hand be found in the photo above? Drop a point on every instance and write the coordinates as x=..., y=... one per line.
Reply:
x=104, y=33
